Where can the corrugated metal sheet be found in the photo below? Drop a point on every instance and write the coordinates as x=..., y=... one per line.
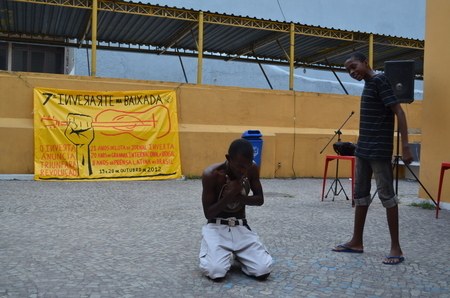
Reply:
x=162, y=29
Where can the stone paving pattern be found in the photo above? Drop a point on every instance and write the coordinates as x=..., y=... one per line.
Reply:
x=141, y=239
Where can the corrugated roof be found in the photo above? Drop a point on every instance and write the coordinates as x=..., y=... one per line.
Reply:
x=167, y=30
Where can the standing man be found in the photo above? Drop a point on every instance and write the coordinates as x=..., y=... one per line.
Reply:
x=226, y=188
x=379, y=106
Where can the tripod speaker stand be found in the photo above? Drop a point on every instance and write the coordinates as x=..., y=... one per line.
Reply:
x=395, y=166
x=336, y=186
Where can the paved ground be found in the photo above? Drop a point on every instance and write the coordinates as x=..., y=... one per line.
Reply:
x=141, y=239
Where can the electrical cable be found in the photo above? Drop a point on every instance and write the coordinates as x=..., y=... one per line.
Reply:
x=87, y=58
x=295, y=133
x=281, y=9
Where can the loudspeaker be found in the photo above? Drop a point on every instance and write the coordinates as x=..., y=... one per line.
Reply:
x=401, y=75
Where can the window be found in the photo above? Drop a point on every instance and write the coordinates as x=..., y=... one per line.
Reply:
x=37, y=58
x=32, y=58
x=3, y=56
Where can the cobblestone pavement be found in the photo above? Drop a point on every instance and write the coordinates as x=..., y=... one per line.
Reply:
x=141, y=239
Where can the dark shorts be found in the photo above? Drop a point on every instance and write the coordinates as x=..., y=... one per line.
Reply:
x=384, y=178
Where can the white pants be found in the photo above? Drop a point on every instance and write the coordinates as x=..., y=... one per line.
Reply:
x=220, y=241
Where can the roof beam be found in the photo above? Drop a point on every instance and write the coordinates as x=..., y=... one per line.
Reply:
x=323, y=32
x=291, y=56
x=86, y=30
x=94, y=25
x=200, y=49
x=399, y=42
x=336, y=51
x=174, y=39
x=252, y=23
x=255, y=45
x=283, y=50
x=86, y=4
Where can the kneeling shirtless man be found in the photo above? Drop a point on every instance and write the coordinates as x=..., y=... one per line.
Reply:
x=226, y=188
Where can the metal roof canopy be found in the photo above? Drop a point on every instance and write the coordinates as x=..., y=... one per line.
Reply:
x=146, y=28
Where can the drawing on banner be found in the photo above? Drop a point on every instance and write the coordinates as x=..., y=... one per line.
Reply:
x=136, y=124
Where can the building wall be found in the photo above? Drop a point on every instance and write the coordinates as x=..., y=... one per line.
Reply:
x=296, y=126
x=436, y=106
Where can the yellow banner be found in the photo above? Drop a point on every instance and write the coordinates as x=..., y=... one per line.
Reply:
x=92, y=135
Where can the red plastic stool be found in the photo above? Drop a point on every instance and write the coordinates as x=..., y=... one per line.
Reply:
x=444, y=166
x=329, y=158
